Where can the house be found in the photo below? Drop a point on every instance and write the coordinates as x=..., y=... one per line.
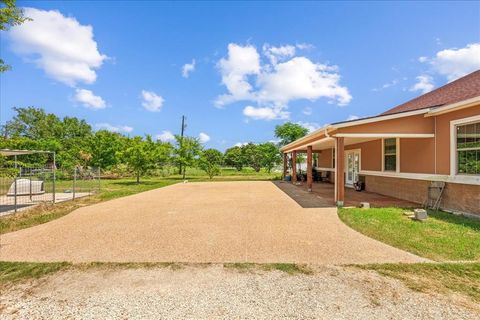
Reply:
x=434, y=137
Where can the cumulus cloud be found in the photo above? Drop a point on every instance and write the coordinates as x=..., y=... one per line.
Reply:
x=311, y=126
x=456, y=62
x=203, y=137
x=152, y=101
x=424, y=84
x=265, y=113
x=109, y=127
x=88, y=99
x=240, y=144
x=165, y=136
x=274, y=54
x=273, y=84
x=352, y=117
x=188, y=68
x=59, y=45
x=240, y=63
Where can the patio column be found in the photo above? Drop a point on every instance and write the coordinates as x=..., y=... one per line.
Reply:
x=309, y=168
x=339, y=171
x=294, y=166
x=285, y=165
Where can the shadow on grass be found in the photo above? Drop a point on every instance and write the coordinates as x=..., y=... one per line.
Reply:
x=471, y=223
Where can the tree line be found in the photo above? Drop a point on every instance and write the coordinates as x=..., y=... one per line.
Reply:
x=76, y=144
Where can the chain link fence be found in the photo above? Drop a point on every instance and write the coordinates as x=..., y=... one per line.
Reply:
x=23, y=187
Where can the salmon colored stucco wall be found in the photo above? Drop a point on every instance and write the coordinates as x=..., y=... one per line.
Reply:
x=443, y=135
x=371, y=154
x=413, y=124
x=325, y=158
x=417, y=155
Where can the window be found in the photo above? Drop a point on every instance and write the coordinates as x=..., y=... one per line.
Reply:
x=468, y=148
x=390, y=154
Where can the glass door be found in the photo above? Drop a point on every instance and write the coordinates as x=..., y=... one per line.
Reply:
x=352, y=167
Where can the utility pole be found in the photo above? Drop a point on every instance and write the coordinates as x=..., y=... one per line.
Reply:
x=184, y=126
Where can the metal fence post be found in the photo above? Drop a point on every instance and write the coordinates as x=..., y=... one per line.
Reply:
x=15, y=195
x=54, y=177
x=74, y=181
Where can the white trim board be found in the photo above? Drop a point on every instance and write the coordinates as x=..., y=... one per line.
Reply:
x=473, y=180
x=385, y=135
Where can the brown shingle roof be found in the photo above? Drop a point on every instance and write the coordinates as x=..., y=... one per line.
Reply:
x=461, y=89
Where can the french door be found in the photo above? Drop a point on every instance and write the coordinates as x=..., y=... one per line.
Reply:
x=352, y=166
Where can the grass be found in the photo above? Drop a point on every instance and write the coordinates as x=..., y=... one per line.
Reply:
x=289, y=268
x=444, y=278
x=442, y=237
x=111, y=189
x=17, y=271
x=12, y=272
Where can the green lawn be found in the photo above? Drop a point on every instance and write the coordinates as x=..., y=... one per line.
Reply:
x=442, y=237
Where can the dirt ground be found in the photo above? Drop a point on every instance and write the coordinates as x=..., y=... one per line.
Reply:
x=216, y=292
x=200, y=222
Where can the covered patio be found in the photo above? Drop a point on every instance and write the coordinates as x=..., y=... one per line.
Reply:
x=343, y=153
x=321, y=195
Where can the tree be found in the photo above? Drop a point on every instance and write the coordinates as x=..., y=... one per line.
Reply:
x=105, y=147
x=10, y=15
x=186, y=152
x=235, y=157
x=270, y=155
x=139, y=155
x=210, y=161
x=289, y=132
x=253, y=156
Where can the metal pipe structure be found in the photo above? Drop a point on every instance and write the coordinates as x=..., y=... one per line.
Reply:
x=54, y=178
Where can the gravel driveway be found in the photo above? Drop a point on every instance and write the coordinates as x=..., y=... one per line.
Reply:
x=200, y=222
x=217, y=293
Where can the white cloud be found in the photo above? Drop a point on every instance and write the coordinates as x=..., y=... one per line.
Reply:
x=240, y=144
x=240, y=63
x=188, y=68
x=455, y=63
x=352, y=117
x=88, y=99
x=387, y=85
x=203, y=137
x=109, y=127
x=151, y=101
x=307, y=111
x=304, y=46
x=59, y=45
x=311, y=126
x=265, y=113
x=424, y=84
x=275, y=54
x=273, y=85
x=165, y=136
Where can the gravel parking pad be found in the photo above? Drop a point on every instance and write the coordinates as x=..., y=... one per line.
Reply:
x=215, y=292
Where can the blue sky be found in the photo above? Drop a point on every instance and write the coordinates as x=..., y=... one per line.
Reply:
x=256, y=64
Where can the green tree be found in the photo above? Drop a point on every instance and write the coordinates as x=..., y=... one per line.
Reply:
x=235, y=157
x=139, y=155
x=105, y=147
x=186, y=152
x=289, y=132
x=270, y=155
x=10, y=15
x=253, y=156
x=210, y=161
x=163, y=153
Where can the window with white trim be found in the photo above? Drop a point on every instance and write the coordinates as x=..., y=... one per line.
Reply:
x=390, y=154
x=468, y=148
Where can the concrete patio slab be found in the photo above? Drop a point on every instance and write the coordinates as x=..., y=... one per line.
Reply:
x=200, y=222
